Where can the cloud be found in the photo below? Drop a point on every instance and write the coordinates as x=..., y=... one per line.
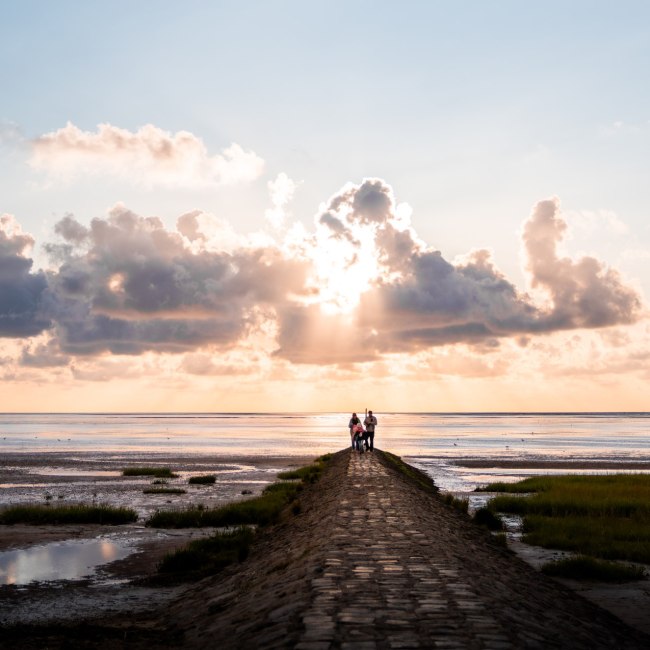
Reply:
x=281, y=191
x=43, y=354
x=413, y=298
x=597, y=221
x=137, y=286
x=359, y=288
x=584, y=292
x=22, y=293
x=149, y=156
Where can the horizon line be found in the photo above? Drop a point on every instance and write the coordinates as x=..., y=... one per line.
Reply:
x=207, y=413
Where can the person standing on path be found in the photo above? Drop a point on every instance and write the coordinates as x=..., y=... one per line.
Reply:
x=370, y=423
x=354, y=420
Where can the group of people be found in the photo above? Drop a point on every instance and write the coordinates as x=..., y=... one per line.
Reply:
x=362, y=435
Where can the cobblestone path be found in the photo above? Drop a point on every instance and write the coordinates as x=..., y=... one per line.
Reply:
x=374, y=561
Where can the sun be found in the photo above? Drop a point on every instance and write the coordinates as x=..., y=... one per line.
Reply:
x=343, y=269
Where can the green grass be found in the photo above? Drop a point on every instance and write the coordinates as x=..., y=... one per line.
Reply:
x=158, y=472
x=208, y=479
x=260, y=511
x=589, y=568
x=209, y=555
x=462, y=505
x=421, y=479
x=288, y=489
x=485, y=517
x=164, y=491
x=607, y=517
x=68, y=514
x=307, y=474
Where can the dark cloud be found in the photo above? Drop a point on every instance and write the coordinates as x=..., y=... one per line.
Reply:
x=71, y=230
x=22, y=293
x=138, y=287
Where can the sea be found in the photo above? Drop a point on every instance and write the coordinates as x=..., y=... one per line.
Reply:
x=459, y=450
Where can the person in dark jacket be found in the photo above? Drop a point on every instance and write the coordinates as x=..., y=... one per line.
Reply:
x=370, y=423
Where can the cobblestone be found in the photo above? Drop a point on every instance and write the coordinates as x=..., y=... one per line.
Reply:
x=373, y=561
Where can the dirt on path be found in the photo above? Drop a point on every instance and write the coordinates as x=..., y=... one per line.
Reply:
x=371, y=561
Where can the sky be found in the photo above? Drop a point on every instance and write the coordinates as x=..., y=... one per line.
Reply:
x=317, y=206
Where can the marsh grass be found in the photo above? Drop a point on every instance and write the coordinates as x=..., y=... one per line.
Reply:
x=606, y=517
x=462, y=505
x=485, y=517
x=589, y=568
x=307, y=474
x=260, y=511
x=421, y=479
x=208, y=479
x=67, y=514
x=209, y=555
x=158, y=472
x=163, y=490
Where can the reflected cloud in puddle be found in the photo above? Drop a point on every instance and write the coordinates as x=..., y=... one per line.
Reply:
x=69, y=560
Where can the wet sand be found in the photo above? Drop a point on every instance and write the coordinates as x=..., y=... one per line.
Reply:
x=77, y=477
x=118, y=587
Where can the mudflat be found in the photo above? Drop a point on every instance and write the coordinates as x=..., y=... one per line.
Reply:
x=371, y=561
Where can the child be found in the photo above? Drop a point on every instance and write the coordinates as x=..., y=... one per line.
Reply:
x=359, y=437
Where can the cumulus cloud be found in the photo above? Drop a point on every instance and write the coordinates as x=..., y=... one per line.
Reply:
x=138, y=286
x=22, y=293
x=149, y=156
x=584, y=292
x=360, y=287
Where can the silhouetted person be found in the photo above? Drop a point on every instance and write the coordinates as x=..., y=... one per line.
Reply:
x=354, y=420
x=370, y=423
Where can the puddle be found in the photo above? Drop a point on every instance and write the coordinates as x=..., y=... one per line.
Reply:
x=68, y=560
x=63, y=471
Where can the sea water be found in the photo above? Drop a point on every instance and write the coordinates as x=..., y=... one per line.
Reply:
x=439, y=443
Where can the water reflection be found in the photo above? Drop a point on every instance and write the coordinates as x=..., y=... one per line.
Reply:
x=68, y=560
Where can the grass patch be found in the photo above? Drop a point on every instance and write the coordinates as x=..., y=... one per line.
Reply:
x=421, y=479
x=501, y=539
x=589, y=568
x=208, y=479
x=307, y=474
x=485, y=517
x=606, y=517
x=158, y=472
x=208, y=556
x=68, y=514
x=164, y=491
x=260, y=511
x=462, y=505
